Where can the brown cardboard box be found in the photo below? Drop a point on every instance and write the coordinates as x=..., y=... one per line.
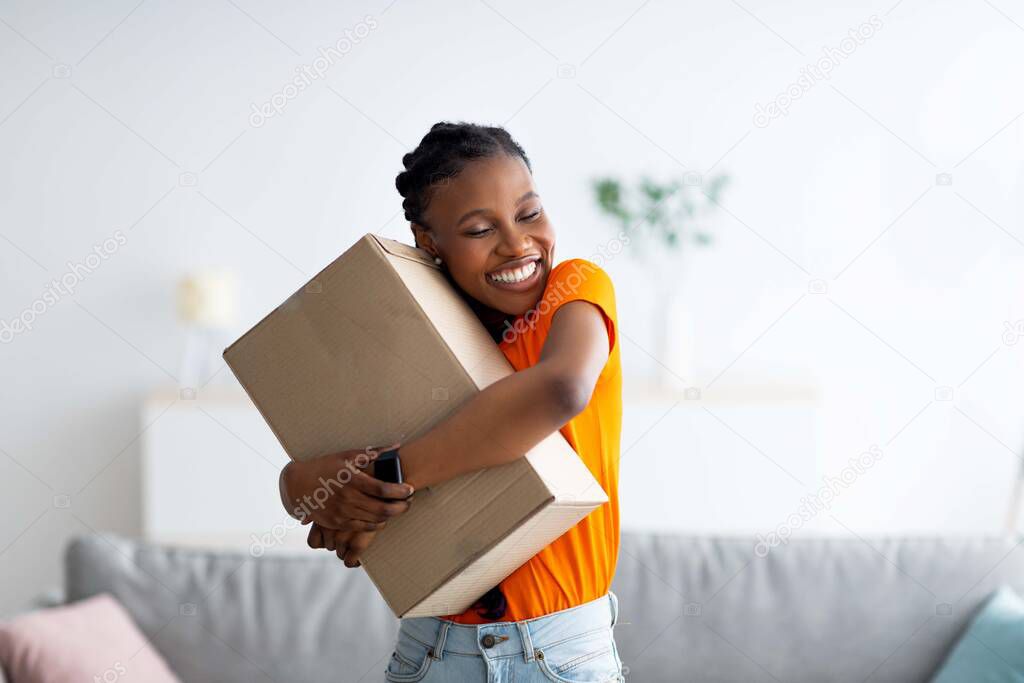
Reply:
x=377, y=348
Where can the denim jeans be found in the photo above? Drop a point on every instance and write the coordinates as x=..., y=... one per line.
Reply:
x=571, y=646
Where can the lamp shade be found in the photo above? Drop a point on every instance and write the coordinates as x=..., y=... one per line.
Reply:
x=208, y=298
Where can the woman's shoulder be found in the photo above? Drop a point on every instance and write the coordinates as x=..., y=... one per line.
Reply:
x=581, y=267
x=577, y=274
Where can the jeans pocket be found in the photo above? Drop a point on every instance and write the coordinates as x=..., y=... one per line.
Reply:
x=587, y=658
x=409, y=662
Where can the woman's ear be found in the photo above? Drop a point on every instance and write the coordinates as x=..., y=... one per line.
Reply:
x=423, y=239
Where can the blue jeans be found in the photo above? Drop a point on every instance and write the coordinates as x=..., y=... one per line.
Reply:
x=570, y=646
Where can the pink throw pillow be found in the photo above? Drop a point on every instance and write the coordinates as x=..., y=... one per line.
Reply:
x=90, y=640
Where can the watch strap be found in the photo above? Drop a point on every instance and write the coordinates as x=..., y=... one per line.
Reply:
x=387, y=466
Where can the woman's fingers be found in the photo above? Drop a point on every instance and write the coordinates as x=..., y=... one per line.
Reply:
x=380, y=489
x=355, y=525
x=371, y=509
x=341, y=541
x=350, y=526
x=355, y=505
x=356, y=547
x=337, y=540
x=316, y=537
x=329, y=536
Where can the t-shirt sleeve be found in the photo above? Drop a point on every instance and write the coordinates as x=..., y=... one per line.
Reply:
x=581, y=280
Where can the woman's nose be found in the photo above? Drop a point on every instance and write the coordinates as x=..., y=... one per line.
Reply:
x=514, y=242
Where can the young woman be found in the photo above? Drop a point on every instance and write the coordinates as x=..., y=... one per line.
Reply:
x=469, y=195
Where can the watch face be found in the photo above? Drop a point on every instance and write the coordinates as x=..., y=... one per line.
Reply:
x=387, y=467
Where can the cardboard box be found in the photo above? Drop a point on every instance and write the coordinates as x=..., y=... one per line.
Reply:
x=377, y=348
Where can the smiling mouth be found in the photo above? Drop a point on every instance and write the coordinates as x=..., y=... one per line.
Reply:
x=516, y=278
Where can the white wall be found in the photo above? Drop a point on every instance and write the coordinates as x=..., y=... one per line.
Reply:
x=104, y=107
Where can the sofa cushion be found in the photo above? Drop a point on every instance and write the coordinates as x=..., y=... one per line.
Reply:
x=93, y=639
x=231, y=617
x=992, y=649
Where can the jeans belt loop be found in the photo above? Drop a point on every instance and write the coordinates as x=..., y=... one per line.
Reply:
x=442, y=634
x=524, y=634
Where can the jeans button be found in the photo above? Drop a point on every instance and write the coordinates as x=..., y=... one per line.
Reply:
x=487, y=641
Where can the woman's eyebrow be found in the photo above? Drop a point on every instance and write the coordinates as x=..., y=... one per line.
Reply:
x=529, y=195
x=468, y=214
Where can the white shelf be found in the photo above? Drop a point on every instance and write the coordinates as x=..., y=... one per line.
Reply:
x=641, y=390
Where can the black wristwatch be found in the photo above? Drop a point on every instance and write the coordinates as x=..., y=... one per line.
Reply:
x=388, y=467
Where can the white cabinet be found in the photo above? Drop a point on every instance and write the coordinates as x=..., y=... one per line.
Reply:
x=733, y=459
x=726, y=462
x=210, y=467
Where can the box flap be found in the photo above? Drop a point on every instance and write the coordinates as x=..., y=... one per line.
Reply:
x=396, y=248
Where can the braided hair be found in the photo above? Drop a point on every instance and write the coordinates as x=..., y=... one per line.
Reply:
x=442, y=154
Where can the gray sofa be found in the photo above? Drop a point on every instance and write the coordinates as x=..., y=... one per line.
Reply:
x=692, y=609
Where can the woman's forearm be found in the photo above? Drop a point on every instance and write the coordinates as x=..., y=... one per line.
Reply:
x=498, y=425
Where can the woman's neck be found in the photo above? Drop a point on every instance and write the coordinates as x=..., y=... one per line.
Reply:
x=494, y=321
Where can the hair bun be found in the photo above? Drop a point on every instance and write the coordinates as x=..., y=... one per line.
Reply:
x=402, y=182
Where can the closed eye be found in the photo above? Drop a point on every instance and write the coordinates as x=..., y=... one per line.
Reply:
x=532, y=216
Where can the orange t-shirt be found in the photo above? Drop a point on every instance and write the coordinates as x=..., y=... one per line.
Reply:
x=578, y=566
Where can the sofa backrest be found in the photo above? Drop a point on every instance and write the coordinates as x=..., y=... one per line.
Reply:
x=691, y=608
x=814, y=610
x=231, y=617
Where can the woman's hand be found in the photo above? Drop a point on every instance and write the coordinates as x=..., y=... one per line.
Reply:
x=348, y=545
x=335, y=492
x=358, y=542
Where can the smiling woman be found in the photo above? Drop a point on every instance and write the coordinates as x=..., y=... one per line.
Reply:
x=469, y=195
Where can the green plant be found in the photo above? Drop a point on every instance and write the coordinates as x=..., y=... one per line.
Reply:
x=667, y=213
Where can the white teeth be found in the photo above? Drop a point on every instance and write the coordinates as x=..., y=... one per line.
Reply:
x=516, y=275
